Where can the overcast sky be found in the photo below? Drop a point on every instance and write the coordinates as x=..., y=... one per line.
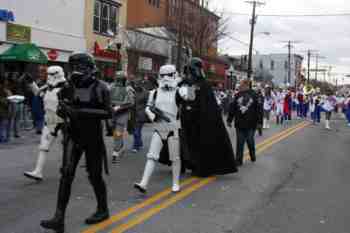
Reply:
x=329, y=35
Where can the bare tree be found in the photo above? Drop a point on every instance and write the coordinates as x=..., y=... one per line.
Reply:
x=201, y=29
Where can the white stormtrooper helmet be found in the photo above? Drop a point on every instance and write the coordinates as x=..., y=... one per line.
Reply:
x=168, y=77
x=55, y=75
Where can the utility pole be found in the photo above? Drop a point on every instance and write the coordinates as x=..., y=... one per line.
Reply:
x=180, y=16
x=308, y=66
x=290, y=46
x=252, y=23
x=317, y=60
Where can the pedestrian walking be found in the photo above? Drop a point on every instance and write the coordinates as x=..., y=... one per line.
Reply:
x=246, y=113
x=86, y=105
x=268, y=103
x=328, y=106
x=123, y=103
x=4, y=110
x=347, y=108
x=141, y=118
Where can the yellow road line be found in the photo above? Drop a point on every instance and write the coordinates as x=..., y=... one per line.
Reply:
x=125, y=213
x=133, y=209
x=186, y=192
x=172, y=200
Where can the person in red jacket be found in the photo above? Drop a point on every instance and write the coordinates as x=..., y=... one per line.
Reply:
x=287, y=106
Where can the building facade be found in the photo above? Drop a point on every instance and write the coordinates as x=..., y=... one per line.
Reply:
x=277, y=65
x=55, y=37
x=104, y=22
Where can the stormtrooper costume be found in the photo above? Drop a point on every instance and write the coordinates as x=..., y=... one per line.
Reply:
x=163, y=98
x=279, y=101
x=55, y=82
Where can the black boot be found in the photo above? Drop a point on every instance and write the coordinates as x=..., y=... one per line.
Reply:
x=56, y=223
x=97, y=217
x=100, y=191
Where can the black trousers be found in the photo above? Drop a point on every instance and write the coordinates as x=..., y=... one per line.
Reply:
x=243, y=136
x=94, y=163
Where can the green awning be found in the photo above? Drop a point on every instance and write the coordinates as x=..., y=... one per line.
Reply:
x=24, y=53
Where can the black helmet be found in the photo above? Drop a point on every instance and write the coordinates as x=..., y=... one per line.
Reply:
x=83, y=68
x=195, y=69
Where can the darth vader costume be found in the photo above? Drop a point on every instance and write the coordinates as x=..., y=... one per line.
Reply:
x=206, y=146
x=83, y=104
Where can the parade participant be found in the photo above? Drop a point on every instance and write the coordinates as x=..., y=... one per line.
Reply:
x=279, y=102
x=328, y=106
x=53, y=123
x=268, y=103
x=204, y=135
x=315, y=109
x=162, y=110
x=287, y=106
x=83, y=104
x=246, y=112
x=347, y=108
x=300, y=102
x=123, y=99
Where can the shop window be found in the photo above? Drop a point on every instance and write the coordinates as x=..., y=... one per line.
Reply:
x=155, y=3
x=106, y=17
x=261, y=65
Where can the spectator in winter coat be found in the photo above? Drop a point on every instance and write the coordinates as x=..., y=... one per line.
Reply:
x=246, y=113
x=4, y=110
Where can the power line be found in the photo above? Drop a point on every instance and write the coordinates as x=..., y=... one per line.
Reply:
x=291, y=15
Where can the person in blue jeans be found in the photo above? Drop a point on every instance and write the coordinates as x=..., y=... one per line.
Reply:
x=316, y=107
x=38, y=113
x=140, y=105
x=347, y=109
x=4, y=103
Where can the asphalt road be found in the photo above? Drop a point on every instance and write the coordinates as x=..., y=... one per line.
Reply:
x=298, y=184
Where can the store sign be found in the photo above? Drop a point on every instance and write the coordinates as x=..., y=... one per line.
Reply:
x=6, y=15
x=99, y=52
x=18, y=33
x=52, y=54
x=145, y=63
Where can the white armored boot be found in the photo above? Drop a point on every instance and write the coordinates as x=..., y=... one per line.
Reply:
x=264, y=124
x=176, y=175
x=149, y=168
x=327, y=124
x=36, y=174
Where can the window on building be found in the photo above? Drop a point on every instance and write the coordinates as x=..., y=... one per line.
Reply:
x=106, y=15
x=155, y=3
x=286, y=65
x=261, y=65
x=272, y=65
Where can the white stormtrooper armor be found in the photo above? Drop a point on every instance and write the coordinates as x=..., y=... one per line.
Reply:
x=55, y=81
x=165, y=102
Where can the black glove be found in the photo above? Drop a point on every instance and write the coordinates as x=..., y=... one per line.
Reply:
x=64, y=111
x=27, y=79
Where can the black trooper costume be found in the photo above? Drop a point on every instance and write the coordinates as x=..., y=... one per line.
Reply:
x=84, y=103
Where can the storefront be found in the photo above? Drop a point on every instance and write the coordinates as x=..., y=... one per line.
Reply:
x=142, y=63
x=108, y=62
x=216, y=72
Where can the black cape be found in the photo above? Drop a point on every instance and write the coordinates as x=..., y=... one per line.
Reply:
x=205, y=144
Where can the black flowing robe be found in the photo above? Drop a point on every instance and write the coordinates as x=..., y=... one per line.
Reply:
x=206, y=146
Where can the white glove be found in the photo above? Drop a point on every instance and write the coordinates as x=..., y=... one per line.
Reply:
x=183, y=92
x=150, y=114
x=116, y=108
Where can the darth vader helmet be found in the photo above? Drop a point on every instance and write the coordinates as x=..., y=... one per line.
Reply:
x=83, y=69
x=195, y=71
x=168, y=77
x=55, y=76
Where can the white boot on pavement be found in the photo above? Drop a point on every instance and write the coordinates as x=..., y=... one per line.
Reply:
x=36, y=174
x=176, y=165
x=327, y=124
x=149, y=168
